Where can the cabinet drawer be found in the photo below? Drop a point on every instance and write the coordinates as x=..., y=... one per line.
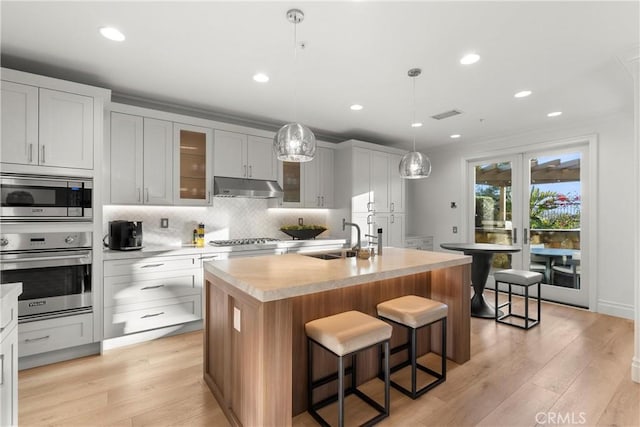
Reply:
x=130, y=318
x=149, y=265
x=53, y=334
x=119, y=290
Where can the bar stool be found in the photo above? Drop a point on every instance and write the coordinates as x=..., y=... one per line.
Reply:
x=346, y=334
x=524, y=279
x=413, y=313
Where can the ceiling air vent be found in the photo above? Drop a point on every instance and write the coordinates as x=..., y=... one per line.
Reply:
x=446, y=114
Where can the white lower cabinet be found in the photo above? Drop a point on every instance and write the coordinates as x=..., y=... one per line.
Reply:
x=9, y=356
x=149, y=293
x=54, y=334
x=423, y=243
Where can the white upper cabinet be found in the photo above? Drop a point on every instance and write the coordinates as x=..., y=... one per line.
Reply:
x=141, y=160
x=193, y=149
x=362, y=199
x=158, y=168
x=19, y=123
x=46, y=127
x=318, y=182
x=66, y=130
x=261, y=161
x=126, y=152
x=379, y=181
x=229, y=158
x=244, y=156
x=396, y=185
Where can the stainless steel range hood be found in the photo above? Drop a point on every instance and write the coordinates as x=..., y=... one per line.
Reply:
x=239, y=187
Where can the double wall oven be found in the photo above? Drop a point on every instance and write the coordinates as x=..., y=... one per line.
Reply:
x=54, y=265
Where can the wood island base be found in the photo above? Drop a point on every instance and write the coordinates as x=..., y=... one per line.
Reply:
x=255, y=352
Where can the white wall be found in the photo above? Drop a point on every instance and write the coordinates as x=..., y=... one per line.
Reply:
x=431, y=214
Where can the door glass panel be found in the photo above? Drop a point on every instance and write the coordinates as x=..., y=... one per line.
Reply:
x=193, y=154
x=493, y=208
x=555, y=195
x=291, y=185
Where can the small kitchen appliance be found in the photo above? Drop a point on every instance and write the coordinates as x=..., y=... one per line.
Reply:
x=125, y=235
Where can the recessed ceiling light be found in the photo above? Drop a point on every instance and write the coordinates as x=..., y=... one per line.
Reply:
x=356, y=107
x=455, y=136
x=470, y=58
x=416, y=125
x=554, y=114
x=261, y=78
x=522, y=94
x=112, y=34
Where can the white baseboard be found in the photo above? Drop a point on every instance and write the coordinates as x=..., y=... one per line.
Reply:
x=615, y=309
x=635, y=369
x=27, y=362
x=139, y=337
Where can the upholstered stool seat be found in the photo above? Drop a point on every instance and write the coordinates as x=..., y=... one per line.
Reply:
x=524, y=279
x=413, y=312
x=345, y=334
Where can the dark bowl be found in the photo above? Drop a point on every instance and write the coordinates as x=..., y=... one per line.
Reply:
x=304, y=234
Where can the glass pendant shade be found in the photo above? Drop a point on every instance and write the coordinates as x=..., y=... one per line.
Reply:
x=294, y=142
x=415, y=165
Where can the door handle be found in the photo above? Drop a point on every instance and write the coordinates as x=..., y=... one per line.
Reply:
x=250, y=171
x=393, y=206
x=368, y=207
x=515, y=236
x=245, y=171
x=146, y=190
x=318, y=201
x=42, y=154
x=393, y=219
x=146, y=316
x=322, y=201
x=46, y=337
x=139, y=193
x=30, y=153
x=369, y=219
x=525, y=236
x=151, y=287
x=152, y=265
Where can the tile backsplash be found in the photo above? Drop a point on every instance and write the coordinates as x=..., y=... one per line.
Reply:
x=228, y=218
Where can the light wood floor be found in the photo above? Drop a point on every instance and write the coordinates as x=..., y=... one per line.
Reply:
x=572, y=369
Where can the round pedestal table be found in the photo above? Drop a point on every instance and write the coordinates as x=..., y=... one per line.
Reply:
x=482, y=254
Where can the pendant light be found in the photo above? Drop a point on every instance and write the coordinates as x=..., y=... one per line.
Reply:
x=294, y=142
x=414, y=165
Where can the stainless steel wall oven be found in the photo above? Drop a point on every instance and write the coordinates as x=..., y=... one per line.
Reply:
x=45, y=198
x=55, y=271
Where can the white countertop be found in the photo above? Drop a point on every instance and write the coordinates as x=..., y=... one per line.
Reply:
x=10, y=291
x=148, y=251
x=275, y=277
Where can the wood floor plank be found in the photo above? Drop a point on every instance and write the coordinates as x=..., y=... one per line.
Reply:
x=574, y=361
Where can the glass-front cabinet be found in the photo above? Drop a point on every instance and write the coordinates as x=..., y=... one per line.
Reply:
x=193, y=157
x=292, y=185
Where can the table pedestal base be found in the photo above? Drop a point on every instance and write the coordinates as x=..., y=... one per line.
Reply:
x=480, y=308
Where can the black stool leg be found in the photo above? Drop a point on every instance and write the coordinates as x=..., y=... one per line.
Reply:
x=309, y=373
x=387, y=379
x=444, y=349
x=526, y=307
x=414, y=368
x=496, y=305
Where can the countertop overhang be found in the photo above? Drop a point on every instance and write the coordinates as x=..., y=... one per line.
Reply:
x=276, y=277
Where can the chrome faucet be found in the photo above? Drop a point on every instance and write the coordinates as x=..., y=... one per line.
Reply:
x=344, y=225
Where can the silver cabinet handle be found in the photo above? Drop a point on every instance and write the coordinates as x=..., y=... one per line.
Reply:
x=369, y=219
x=245, y=171
x=151, y=287
x=139, y=200
x=368, y=207
x=318, y=201
x=515, y=236
x=42, y=160
x=322, y=201
x=46, y=337
x=152, y=265
x=208, y=197
x=393, y=219
x=393, y=206
x=525, y=237
x=1, y=369
x=146, y=316
x=30, y=153
x=250, y=171
x=146, y=190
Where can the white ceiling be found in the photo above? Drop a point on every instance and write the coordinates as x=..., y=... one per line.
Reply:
x=203, y=55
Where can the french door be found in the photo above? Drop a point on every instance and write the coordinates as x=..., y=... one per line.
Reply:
x=536, y=200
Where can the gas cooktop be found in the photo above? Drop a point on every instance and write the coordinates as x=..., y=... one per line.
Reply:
x=240, y=242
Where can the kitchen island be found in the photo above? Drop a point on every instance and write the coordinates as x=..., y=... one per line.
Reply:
x=256, y=308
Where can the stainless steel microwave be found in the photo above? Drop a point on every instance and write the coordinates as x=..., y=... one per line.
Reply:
x=45, y=198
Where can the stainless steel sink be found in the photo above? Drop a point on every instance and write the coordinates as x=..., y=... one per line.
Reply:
x=332, y=255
